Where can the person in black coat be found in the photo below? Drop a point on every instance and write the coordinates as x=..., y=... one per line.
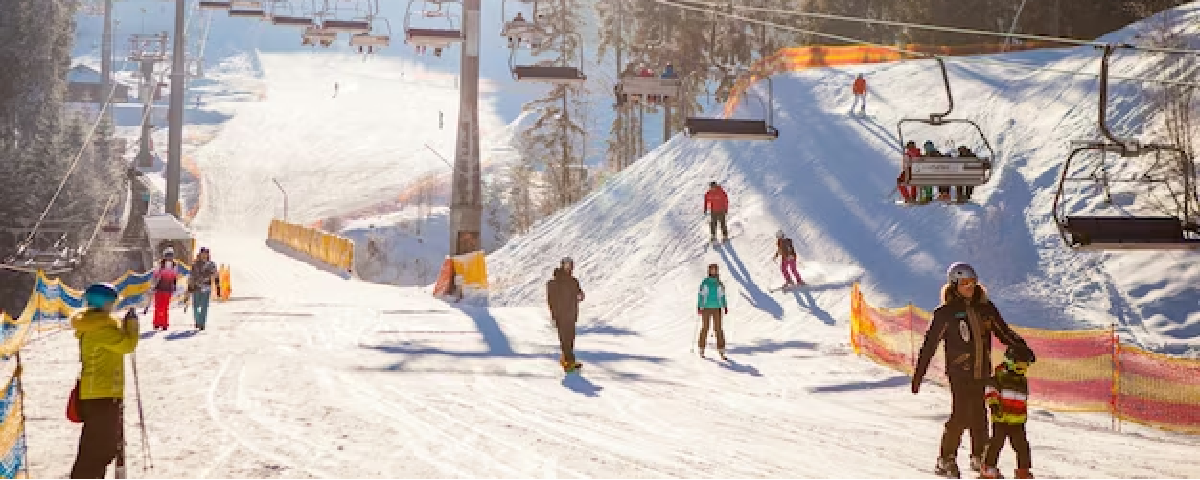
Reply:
x=563, y=295
x=964, y=323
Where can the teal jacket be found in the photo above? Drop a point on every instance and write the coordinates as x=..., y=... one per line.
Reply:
x=712, y=294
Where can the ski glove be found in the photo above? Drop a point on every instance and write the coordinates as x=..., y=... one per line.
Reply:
x=727, y=310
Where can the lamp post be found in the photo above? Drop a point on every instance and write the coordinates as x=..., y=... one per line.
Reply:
x=285, y=198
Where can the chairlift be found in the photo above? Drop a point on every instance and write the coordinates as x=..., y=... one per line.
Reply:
x=291, y=18
x=436, y=38
x=315, y=35
x=547, y=71
x=373, y=39
x=1129, y=232
x=664, y=86
x=36, y=253
x=215, y=5
x=932, y=171
x=353, y=27
x=247, y=9
x=735, y=129
x=521, y=31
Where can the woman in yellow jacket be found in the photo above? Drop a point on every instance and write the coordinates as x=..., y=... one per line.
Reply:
x=103, y=343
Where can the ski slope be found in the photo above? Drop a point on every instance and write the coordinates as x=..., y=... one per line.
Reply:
x=306, y=373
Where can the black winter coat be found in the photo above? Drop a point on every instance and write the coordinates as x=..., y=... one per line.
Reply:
x=563, y=294
x=966, y=329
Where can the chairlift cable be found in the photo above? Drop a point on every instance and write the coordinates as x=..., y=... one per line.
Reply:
x=1008, y=63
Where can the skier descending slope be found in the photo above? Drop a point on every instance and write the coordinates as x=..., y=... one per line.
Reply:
x=563, y=295
x=965, y=323
x=709, y=305
x=716, y=205
x=784, y=248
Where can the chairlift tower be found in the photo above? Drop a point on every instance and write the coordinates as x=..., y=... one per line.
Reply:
x=175, y=122
x=466, y=206
x=147, y=50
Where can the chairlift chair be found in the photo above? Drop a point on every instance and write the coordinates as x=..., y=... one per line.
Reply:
x=645, y=87
x=291, y=18
x=374, y=38
x=353, y=27
x=431, y=37
x=51, y=259
x=316, y=35
x=215, y=5
x=927, y=171
x=247, y=9
x=555, y=74
x=1128, y=232
x=524, y=31
x=735, y=129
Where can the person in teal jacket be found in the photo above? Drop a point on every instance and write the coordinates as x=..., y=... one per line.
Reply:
x=710, y=303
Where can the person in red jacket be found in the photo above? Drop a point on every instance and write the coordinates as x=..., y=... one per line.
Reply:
x=716, y=206
x=860, y=94
x=911, y=153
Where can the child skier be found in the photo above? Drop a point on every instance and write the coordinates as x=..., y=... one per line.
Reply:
x=784, y=248
x=1007, y=393
x=710, y=303
x=163, y=281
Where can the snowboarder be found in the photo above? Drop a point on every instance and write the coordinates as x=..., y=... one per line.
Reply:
x=563, y=295
x=784, y=248
x=964, y=323
x=164, y=280
x=1007, y=394
x=860, y=94
x=200, y=285
x=710, y=303
x=716, y=206
x=103, y=343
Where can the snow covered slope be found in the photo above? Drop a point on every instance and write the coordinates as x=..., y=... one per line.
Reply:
x=826, y=182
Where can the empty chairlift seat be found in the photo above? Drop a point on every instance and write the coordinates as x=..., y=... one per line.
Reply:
x=729, y=129
x=955, y=171
x=288, y=21
x=247, y=9
x=552, y=74
x=214, y=5
x=1127, y=233
x=433, y=37
x=353, y=27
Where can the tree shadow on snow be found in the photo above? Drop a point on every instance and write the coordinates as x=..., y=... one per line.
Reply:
x=576, y=383
x=892, y=382
x=757, y=297
x=497, y=342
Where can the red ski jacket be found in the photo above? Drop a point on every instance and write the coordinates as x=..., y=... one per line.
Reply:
x=860, y=86
x=715, y=200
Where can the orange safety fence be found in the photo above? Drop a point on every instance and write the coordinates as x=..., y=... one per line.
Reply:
x=792, y=59
x=1077, y=370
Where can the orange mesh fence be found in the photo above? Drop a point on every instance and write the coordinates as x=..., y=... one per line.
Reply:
x=1077, y=370
x=793, y=59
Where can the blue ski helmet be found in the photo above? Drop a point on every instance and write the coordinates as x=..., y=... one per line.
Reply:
x=100, y=294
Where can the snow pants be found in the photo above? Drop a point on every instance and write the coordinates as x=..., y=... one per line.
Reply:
x=162, y=308
x=967, y=412
x=1020, y=443
x=711, y=316
x=789, y=270
x=200, y=299
x=565, y=324
x=101, y=438
x=859, y=99
x=715, y=218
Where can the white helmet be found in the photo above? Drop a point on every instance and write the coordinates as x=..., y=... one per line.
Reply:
x=779, y=234
x=960, y=270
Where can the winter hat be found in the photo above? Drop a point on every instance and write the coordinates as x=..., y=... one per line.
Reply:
x=929, y=146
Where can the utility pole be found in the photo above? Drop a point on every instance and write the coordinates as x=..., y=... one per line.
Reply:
x=106, y=56
x=147, y=49
x=466, y=205
x=175, y=128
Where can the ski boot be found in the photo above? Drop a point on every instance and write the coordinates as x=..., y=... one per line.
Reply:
x=947, y=467
x=701, y=350
x=990, y=472
x=977, y=463
x=1022, y=473
x=721, y=352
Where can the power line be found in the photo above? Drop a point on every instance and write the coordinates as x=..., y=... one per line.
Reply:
x=1008, y=63
x=939, y=28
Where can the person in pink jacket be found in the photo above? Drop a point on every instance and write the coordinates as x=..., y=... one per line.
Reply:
x=163, y=282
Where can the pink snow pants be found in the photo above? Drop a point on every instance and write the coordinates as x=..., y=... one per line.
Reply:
x=789, y=270
x=162, y=305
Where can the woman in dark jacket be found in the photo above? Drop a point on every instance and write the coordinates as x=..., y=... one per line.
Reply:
x=964, y=323
x=563, y=296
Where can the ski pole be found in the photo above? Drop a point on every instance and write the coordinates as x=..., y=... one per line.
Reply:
x=137, y=393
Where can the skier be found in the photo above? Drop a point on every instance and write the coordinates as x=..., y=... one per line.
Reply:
x=200, y=285
x=709, y=305
x=103, y=343
x=964, y=323
x=563, y=295
x=716, y=205
x=163, y=280
x=441, y=120
x=784, y=248
x=335, y=89
x=1007, y=393
x=930, y=151
x=860, y=94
